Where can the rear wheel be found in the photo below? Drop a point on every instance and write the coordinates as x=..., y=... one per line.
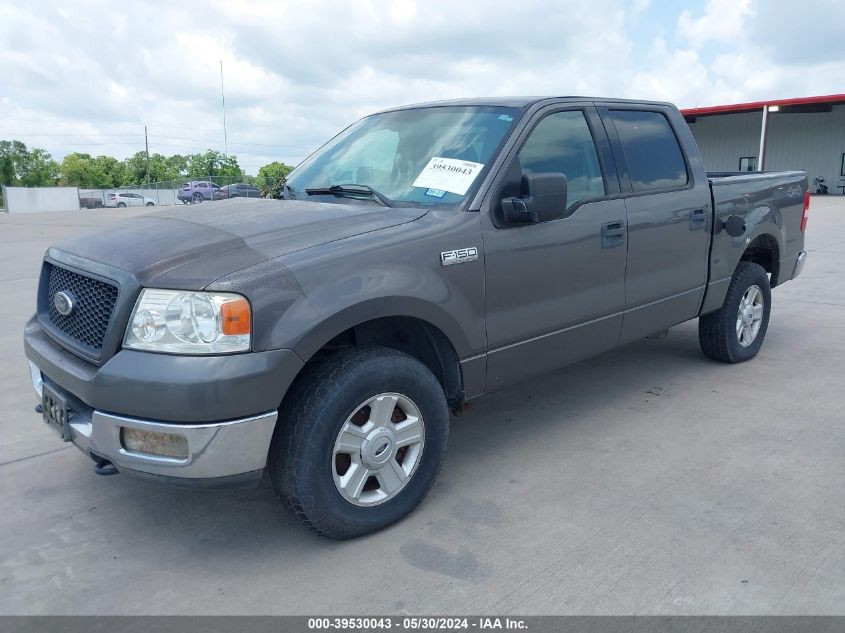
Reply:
x=360, y=440
x=196, y=198
x=735, y=332
x=151, y=204
x=121, y=205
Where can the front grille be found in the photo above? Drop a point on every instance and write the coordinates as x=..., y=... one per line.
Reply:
x=94, y=301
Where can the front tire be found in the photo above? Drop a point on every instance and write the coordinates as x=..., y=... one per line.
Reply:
x=361, y=437
x=735, y=332
x=151, y=204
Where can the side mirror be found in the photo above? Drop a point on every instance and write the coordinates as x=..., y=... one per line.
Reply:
x=542, y=198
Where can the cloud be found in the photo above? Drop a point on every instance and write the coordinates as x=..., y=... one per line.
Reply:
x=721, y=21
x=88, y=75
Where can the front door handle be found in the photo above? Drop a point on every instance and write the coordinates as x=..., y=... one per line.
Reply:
x=612, y=234
x=697, y=219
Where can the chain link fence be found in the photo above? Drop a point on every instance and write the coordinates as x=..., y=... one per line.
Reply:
x=172, y=192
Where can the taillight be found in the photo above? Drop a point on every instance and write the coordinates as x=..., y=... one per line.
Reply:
x=804, y=212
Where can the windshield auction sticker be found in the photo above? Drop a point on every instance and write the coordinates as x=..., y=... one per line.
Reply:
x=448, y=174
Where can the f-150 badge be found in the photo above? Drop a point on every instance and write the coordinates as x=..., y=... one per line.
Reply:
x=459, y=256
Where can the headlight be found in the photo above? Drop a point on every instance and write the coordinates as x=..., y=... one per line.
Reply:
x=182, y=322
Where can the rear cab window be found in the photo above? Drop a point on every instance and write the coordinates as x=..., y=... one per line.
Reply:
x=652, y=151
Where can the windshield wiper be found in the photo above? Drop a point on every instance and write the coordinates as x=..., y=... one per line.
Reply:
x=353, y=189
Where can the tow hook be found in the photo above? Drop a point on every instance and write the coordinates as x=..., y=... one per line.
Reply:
x=105, y=467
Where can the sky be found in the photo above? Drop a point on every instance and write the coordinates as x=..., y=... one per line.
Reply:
x=87, y=75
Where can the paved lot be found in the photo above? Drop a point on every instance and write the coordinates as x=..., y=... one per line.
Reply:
x=647, y=480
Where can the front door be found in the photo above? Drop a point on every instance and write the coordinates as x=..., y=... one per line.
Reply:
x=555, y=290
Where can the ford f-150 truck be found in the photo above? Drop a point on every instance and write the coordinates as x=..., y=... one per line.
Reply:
x=424, y=256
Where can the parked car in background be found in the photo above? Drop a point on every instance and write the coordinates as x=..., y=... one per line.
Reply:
x=127, y=199
x=240, y=190
x=197, y=191
x=90, y=202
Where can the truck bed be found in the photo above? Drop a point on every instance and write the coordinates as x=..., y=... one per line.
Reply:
x=772, y=204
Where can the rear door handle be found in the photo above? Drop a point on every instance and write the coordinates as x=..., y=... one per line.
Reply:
x=697, y=219
x=612, y=234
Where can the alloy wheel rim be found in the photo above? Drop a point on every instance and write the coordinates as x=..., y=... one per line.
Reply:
x=378, y=449
x=749, y=316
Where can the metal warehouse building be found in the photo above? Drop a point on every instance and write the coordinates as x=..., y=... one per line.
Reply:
x=806, y=133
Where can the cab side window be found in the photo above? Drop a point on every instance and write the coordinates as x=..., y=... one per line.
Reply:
x=562, y=143
x=651, y=150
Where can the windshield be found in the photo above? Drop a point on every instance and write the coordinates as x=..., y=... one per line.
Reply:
x=418, y=156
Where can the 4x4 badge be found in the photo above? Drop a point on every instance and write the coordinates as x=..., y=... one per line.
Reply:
x=459, y=256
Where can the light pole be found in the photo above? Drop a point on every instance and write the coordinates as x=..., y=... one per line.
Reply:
x=223, y=99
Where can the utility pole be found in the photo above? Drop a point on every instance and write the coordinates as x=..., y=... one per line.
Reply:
x=147, y=152
x=223, y=99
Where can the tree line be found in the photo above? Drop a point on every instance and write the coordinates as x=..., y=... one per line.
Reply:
x=35, y=167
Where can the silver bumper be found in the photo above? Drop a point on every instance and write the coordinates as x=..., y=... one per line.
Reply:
x=799, y=264
x=223, y=449
x=214, y=450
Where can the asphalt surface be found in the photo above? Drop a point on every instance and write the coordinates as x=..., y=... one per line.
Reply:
x=646, y=480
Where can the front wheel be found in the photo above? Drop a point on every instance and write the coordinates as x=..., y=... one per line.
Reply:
x=360, y=440
x=151, y=204
x=735, y=332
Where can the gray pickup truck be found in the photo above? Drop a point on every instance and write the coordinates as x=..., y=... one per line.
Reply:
x=422, y=257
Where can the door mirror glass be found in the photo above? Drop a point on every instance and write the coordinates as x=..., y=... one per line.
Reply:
x=542, y=198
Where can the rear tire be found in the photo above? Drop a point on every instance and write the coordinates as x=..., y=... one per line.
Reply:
x=196, y=198
x=328, y=436
x=734, y=333
x=151, y=204
x=121, y=205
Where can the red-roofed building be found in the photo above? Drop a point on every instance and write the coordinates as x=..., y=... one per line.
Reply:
x=804, y=133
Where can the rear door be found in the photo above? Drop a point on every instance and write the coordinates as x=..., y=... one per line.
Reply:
x=555, y=290
x=669, y=212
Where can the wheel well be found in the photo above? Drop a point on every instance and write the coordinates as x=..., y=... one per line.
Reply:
x=764, y=251
x=415, y=337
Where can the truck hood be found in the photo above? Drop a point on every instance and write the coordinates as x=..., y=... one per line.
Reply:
x=189, y=247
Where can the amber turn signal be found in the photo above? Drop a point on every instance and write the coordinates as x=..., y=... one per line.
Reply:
x=235, y=317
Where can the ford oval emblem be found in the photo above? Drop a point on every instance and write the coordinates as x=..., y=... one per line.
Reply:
x=63, y=301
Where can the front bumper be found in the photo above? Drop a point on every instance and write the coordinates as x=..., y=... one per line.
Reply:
x=236, y=449
x=224, y=406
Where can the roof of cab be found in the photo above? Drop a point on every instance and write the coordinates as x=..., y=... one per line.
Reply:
x=518, y=102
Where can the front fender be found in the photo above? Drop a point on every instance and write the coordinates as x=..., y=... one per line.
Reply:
x=390, y=306
x=305, y=299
